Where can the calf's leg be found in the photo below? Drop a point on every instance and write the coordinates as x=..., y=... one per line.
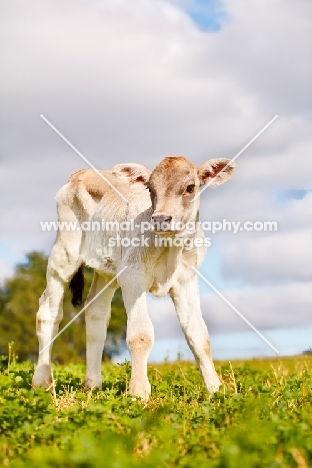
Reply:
x=140, y=334
x=185, y=295
x=61, y=267
x=97, y=316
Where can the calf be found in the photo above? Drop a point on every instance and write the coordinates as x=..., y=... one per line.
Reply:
x=165, y=198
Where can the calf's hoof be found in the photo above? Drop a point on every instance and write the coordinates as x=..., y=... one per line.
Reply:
x=213, y=385
x=93, y=382
x=42, y=377
x=140, y=389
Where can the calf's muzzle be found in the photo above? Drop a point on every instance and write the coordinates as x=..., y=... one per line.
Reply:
x=161, y=222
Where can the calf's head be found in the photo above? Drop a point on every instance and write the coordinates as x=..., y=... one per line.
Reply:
x=173, y=186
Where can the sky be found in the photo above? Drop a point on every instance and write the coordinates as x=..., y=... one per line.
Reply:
x=129, y=81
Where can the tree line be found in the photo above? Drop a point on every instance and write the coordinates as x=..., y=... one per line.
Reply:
x=19, y=302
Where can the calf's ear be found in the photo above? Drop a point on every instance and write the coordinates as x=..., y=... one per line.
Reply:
x=216, y=171
x=135, y=174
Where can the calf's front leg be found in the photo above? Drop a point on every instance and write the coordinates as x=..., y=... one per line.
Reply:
x=140, y=335
x=97, y=316
x=185, y=296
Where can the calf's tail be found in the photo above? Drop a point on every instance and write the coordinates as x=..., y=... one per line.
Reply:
x=76, y=287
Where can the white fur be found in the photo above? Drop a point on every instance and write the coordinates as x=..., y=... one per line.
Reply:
x=162, y=271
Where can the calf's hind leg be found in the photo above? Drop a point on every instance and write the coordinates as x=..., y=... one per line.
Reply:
x=50, y=312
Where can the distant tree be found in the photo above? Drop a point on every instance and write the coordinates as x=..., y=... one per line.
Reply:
x=307, y=351
x=18, y=306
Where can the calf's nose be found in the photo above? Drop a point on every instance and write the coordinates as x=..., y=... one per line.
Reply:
x=159, y=220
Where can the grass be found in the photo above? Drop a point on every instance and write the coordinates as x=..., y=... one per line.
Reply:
x=261, y=417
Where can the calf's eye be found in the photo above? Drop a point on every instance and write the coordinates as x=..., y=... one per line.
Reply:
x=190, y=188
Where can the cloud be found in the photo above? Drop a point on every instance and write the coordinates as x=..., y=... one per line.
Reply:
x=276, y=307
x=261, y=257
x=271, y=258
x=136, y=81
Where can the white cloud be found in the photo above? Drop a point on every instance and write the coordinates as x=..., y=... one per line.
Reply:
x=286, y=257
x=136, y=81
x=265, y=307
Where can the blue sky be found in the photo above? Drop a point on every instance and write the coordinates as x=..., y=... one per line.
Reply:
x=209, y=15
x=291, y=194
x=8, y=258
x=238, y=346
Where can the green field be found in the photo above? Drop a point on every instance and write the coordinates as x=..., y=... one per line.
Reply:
x=261, y=417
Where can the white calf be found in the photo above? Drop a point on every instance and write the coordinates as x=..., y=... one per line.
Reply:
x=164, y=197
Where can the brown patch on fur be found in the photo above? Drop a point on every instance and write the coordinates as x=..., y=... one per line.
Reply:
x=171, y=171
x=142, y=341
x=74, y=176
x=207, y=348
x=132, y=173
x=178, y=162
x=169, y=180
x=91, y=181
